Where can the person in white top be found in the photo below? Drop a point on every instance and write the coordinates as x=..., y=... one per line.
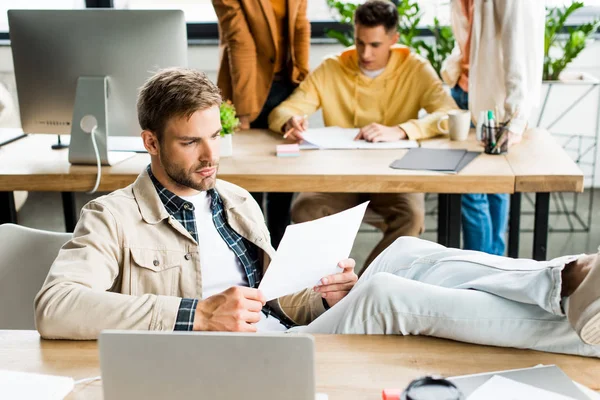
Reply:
x=496, y=65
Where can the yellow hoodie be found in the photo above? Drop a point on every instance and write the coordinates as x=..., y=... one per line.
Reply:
x=350, y=99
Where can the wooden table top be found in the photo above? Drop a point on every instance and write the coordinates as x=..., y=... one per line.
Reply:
x=348, y=367
x=541, y=165
x=30, y=164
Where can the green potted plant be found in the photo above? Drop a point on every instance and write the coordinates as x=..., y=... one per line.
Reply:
x=558, y=54
x=230, y=124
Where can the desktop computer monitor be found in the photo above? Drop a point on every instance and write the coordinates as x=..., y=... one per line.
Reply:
x=75, y=63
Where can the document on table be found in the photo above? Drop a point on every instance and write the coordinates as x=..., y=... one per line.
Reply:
x=343, y=138
x=545, y=377
x=310, y=251
x=28, y=386
x=501, y=388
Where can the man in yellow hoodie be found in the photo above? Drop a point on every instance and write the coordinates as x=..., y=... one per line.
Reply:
x=377, y=86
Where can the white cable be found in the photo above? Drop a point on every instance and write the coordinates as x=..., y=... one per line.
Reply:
x=98, y=162
x=86, y=380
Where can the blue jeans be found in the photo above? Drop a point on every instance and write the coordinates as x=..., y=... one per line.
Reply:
x=484, y=216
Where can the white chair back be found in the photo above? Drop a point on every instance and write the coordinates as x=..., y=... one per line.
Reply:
x=25, y=257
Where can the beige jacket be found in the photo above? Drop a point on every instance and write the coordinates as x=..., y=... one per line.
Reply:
x=130, y=263
x=506, y=60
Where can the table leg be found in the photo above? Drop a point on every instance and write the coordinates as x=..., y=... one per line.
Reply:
x=540, y=229
x=514, y=226
x=443, y=210
x=8, y=210
x=69, y=210
x=454, y=220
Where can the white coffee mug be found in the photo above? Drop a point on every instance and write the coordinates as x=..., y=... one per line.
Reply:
x=459, y=124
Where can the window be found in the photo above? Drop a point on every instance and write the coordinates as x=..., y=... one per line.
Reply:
x=6, y=5
x=202, y=19
x=196, y=11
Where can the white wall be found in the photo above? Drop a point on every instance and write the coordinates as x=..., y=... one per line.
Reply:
x=580, y=120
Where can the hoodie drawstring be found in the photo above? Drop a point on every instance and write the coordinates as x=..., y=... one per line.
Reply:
x=356, y=77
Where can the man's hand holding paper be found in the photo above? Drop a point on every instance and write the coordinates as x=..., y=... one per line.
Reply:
x=334, y=288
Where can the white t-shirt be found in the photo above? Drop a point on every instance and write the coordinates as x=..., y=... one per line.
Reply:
x=221, y=269
x=372, y=74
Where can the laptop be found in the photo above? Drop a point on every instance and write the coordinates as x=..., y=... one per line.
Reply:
x=138, y=365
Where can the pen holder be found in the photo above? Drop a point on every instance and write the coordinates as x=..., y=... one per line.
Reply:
x=492, y=136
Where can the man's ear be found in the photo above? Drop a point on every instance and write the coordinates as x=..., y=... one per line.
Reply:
x=395, y=37
x=150, y=142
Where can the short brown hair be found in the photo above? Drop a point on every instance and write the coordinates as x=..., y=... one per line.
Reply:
x=374, y=13
x=174, y=92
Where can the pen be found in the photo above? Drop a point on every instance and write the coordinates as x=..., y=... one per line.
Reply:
x=492, y=126
x=505, y=129
x=287, y=133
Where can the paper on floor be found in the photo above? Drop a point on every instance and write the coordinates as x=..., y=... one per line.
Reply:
x=342, y=138
x=27, y=386
x=501, y=388
x=310, y=251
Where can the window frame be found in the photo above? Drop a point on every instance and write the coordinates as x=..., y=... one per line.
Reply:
x=203, y=32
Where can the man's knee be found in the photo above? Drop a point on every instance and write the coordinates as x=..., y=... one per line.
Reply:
x=380, y=287
x=409, y=222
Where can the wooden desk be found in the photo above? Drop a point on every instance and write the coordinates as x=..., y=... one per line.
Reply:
x=29, y=164
x=348, y=367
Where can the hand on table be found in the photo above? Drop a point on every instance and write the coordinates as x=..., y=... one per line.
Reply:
x=381, y=133
x=244, y=122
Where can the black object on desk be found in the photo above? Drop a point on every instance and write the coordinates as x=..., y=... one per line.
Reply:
x=440, y=160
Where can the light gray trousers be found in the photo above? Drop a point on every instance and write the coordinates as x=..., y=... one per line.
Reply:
x=416, y=287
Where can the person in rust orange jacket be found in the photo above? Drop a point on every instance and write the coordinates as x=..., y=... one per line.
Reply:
x=264, y=56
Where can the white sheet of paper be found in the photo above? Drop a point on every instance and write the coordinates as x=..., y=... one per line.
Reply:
x=28, y=386
x=310, y=251
x=501, y=388
x=334, y=137
x=587, y=391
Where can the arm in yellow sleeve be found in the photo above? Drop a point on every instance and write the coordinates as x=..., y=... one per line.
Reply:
x=435, y=100
x=305, y=100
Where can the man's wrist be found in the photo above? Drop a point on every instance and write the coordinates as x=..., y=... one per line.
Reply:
x=403, y=134
x=186, y=314
x=199, y=319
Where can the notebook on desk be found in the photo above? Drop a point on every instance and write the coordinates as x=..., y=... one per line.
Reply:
x=550, y=378
x=450, y=161
x=29, y=386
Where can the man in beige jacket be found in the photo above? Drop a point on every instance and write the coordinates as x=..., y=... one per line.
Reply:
x=180, y=250
x=177, y=249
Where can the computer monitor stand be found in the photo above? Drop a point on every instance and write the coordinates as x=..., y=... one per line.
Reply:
x=59, y=145
x=91, y=104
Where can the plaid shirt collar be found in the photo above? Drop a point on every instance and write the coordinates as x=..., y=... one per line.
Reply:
x=173, y=203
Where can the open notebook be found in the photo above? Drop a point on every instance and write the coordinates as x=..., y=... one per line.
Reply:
x=335, y=138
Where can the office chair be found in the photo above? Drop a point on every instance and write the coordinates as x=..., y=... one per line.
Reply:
x=25, y=257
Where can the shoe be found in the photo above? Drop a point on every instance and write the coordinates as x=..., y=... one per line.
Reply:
x=583, y=307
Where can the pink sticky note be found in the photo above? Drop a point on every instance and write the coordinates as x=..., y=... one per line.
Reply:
x=288, y=148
